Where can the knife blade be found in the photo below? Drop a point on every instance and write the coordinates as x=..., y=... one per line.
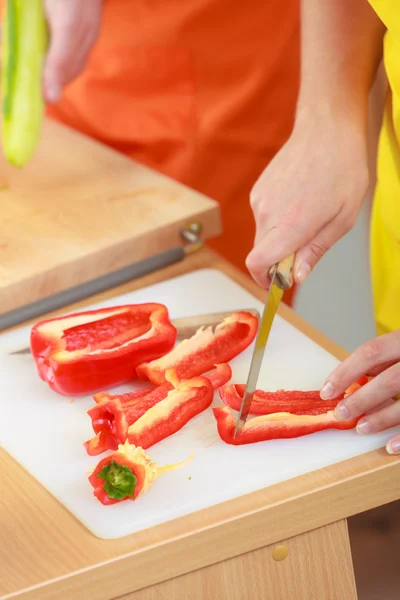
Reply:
x=281, y=279
x=186, y=326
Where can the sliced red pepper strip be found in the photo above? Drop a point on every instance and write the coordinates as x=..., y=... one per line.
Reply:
x=111, y=417
x=275, y=426
x=126, y=399
x=89, y=351
x=205, y=349
x=291, y=401
x=188, y=399
x=110, y=425
x=126, y=474
x=265, y=403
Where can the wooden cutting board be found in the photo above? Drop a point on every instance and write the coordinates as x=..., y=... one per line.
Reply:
x=80, y=210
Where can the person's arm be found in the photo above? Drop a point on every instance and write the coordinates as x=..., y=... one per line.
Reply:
x=73, y=26
x=310, y=194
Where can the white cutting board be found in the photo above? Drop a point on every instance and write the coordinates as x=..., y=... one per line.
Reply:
x=45, y=433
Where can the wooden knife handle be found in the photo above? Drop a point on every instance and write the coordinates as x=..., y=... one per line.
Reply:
x=284, y=273
x=187, y=326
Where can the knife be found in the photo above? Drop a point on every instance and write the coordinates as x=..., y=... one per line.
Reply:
x=281, y=279
x=187, y=326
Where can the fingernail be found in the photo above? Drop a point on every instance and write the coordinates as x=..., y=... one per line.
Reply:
x=393, y=447
x=53, y=92
x=327, y=391
x=342, y=412
x=363, y=427
x=303, y=271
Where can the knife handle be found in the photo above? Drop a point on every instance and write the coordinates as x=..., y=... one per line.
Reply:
x=284, y=272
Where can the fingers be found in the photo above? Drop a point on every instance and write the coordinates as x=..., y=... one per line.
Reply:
x=380, y=420
x=73, y=26
x=380, y=389
x=379, y=351
x=310, y=241
x=393, y=445
x=276, y=244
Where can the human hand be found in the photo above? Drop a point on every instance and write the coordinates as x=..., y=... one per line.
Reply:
x=380, y=358
x=309, y=196
x=74, y=26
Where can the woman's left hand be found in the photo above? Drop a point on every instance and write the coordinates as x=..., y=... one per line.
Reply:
x=376, y=400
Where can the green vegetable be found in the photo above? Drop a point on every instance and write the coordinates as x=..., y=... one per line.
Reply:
x=119, y=481
x=23, y=51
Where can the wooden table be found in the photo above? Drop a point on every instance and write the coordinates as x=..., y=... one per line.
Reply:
x=225, y=552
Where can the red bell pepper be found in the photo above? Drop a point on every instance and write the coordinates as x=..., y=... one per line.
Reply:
x=188, y=399
x=126, y=474
x=112, y=415
x=87, y=351
x=291, y=401
x=265, y=403
x=276, y=426
x=126, y=399
x=205, y=349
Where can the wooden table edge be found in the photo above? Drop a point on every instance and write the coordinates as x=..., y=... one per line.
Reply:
x=240, y=525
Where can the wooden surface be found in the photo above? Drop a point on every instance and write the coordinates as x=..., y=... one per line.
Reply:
x=318, y=565
x=42, y=545
x=93, y=210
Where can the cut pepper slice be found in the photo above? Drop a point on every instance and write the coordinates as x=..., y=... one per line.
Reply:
x=205, y=349
x=265, y=403
x=127, y=399
x=276, y=426
x=188, y=399
x=89, y=351
x=126, y=474
x=112, y=416
x=291, y=401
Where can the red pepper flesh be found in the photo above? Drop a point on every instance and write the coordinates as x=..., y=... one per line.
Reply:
x=204, y=350
x=276, y=426
x=112, y=416
x=291, y=401
x=265, y=403
x=93, y=350
x=188, y=399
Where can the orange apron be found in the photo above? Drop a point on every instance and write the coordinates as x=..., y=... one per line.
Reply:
x=201, y=90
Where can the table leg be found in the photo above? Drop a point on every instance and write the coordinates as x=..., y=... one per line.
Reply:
x=315, y=565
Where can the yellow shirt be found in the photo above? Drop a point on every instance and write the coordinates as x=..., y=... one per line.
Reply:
x=385, y=228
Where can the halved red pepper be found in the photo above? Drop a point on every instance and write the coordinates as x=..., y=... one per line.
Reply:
x=126, y=474
x=89, y=351
x=276, y=426
x=291, y=401
x=205, y=349
x=188, y=399
x=112, y=416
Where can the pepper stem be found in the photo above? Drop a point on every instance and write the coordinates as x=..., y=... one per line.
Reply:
x=119, y=481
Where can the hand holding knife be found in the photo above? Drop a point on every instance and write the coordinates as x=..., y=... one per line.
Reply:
x=281, y=276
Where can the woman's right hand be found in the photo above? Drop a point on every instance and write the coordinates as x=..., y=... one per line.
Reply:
x=309, y=195
x=74, y=26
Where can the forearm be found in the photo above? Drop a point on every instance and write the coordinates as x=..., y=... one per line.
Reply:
x=341, y=51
